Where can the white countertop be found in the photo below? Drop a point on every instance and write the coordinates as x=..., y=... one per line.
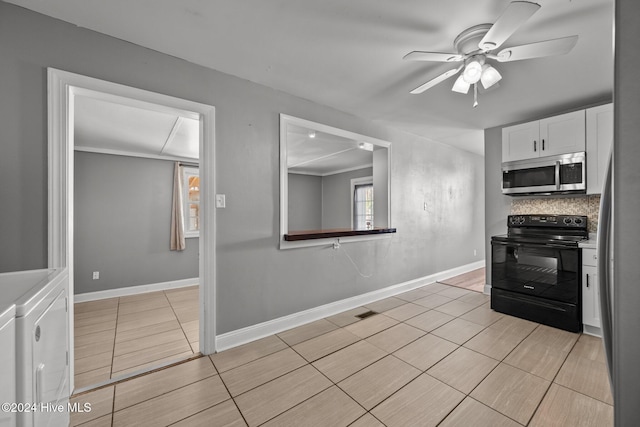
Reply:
x=592, y=243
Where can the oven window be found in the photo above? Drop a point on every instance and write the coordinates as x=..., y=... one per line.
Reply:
x=552, y=273
x=532, y=177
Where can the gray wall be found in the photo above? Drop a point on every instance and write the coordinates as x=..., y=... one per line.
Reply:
x=305, y=202
x=256, y=281
x=626, y=177
x=122, y=224
x=337, y=198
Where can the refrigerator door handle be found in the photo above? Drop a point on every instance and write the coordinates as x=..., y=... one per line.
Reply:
x=604, y=266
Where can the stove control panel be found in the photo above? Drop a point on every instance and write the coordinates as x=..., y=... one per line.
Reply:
x=547, y=221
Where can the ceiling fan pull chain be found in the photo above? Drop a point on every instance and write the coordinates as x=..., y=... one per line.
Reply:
x=475, y=95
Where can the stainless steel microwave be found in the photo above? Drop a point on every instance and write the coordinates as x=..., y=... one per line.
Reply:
x=562, y=174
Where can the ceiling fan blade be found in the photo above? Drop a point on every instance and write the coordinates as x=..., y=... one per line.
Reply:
x=537, y=50
x=431, y=83
x=511, y=19
x=418, y=55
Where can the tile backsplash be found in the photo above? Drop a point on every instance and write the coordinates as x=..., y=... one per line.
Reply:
x=581, y=205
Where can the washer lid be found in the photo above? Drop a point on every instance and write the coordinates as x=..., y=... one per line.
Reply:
x=23, y=288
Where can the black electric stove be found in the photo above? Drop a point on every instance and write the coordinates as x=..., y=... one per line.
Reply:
x=536, y=269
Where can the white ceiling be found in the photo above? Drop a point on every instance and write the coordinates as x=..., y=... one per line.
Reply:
x=114, y=127
x=348, y=54
x=321, y=154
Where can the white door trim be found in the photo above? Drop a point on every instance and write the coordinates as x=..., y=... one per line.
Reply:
x=63, y=86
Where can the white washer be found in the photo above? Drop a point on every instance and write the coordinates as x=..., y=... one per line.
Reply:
x=7, y=361
x=42, y=344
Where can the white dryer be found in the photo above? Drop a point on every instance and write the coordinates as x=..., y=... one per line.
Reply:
x=42, y=344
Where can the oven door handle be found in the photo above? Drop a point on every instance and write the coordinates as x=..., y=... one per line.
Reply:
x=532, y=245
x=558, y=174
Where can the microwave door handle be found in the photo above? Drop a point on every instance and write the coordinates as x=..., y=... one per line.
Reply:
x=558, y=175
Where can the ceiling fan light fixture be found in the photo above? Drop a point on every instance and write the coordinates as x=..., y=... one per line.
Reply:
x=490, y=76
x=461, y=86
x=473, y=69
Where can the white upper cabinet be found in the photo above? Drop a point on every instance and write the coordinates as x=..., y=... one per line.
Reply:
x=563, y=134
x=599, y=141
x=520, y=141
x=547, y=137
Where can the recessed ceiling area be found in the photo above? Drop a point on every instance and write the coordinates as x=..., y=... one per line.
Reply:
x=349, y=55
x=311, y=152
x=104, y=126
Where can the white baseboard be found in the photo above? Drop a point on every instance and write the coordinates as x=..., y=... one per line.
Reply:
x=261, y=330
x=132, y=290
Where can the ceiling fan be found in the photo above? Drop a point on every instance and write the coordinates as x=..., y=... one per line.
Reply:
x=474, y=48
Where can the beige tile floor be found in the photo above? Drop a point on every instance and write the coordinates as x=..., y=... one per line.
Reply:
x=119, y=336
x=432, y=356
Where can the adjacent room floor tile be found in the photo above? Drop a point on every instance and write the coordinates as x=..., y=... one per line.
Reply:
x=101, y=402
x=511, y=392
x=423, y=402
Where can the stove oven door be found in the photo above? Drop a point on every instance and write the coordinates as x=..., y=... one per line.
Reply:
x=548, y=271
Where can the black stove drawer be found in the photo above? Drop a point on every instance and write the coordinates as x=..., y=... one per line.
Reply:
x=548, y=312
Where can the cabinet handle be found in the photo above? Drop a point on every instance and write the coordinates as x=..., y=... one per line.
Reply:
x=543, y=145
x=587, y=280
x=535, y=146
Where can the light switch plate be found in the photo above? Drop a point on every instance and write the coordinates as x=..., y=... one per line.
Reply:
x=220, y=201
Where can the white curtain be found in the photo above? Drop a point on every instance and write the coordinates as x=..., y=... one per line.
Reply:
x=177, y=213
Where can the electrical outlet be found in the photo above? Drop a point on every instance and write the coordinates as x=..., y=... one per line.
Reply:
x=96, y=275
x=220, y=201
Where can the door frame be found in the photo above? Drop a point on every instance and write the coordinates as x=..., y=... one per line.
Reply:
x=62, y=88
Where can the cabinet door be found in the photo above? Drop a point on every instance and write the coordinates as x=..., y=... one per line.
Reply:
x=599, y=141
x=563, y=134
x=521, y=141
x=590, y=296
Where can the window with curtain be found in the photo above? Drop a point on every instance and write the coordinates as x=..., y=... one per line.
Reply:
x=363, y=206
x=191, y=201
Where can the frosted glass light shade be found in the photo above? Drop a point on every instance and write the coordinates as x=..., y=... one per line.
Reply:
x=461, y=86
x=490, y=76
x=472, y=72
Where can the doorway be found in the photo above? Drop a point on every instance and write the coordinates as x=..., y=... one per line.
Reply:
x=66, y=90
